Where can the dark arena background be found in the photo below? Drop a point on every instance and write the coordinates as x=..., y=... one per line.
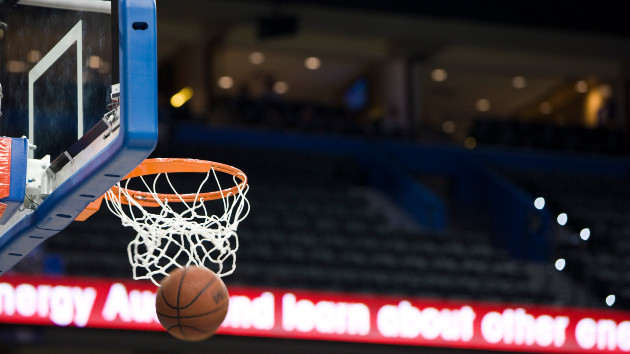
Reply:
x=426, y=177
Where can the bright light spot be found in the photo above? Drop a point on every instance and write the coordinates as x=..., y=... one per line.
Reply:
x=16, y=66
x=581, y=86
x=470, y=143
x=34, y=56
x=225, y=82
x=256, y=58
x=539, y=203
x=94, y=62
x=182, y=97
x=560, y=264
x=562, y=219
x=519, y=82
x=178, y=100
x=439, y=75
x=545, y=108
x=610, y=300
x=482, y=105
x=585, y=233
x=280, y=87
x=448, y=127
x=312, y=63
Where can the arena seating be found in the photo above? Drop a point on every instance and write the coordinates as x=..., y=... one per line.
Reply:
x=599, y=204
x=534, y=135
x=312, y=226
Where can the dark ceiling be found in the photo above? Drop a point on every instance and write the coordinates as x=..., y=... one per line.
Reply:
x=603, y=16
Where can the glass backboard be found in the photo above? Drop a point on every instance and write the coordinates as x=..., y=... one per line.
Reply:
x=79, y=82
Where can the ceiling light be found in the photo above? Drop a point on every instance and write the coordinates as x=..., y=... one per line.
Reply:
x=16, y=66
x=34, y=56
x=312, y=63
x=256, y=58
x=482, y=105
x=439, y=75
x=581, y=86
x=280, y=87
x=519, y=82
x=94, y=62
x=225, y=82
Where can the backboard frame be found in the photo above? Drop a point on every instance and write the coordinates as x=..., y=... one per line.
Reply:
x=137, y=137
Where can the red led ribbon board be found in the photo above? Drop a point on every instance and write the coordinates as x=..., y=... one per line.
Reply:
x=5, y=171
x=124, y=304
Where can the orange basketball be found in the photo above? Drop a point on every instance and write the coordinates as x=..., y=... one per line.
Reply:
x=191, y=303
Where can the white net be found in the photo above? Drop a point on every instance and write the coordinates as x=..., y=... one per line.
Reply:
x=178, y=233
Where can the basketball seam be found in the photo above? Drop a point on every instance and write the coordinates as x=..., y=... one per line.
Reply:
x=199, y=294
x=193, y=316
x=179, y=288
x=166, y=302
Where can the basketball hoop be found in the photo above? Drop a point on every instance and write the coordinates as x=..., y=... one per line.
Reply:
x=168, y=238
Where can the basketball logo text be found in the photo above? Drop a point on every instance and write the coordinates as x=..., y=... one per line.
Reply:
x=219, y=295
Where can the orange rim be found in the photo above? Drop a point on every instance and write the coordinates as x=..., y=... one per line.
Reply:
x=178, y=165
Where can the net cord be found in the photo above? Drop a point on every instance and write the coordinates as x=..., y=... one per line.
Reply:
x=164, y=238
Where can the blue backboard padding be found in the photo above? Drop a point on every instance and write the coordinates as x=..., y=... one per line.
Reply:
x=19, y=149
x=17, y=187
x=19, y=158
x=136, y=140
